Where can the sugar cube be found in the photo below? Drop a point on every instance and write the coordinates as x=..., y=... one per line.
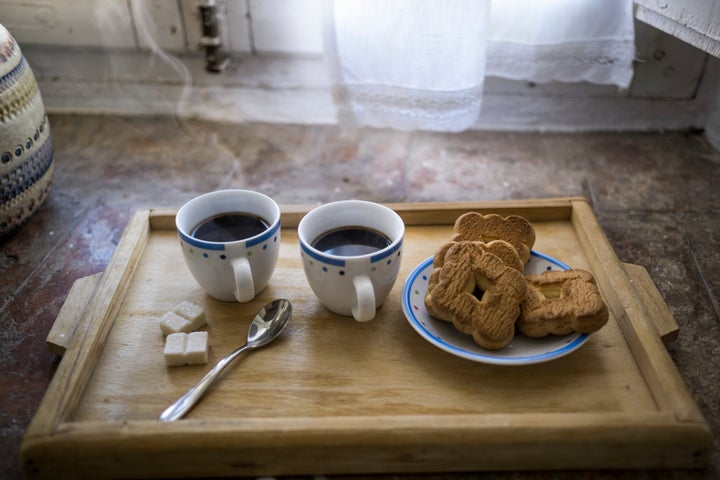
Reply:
x=186, y=349
x=191, y=312
x=196, y=348
x=175, y=349
x=171, y=322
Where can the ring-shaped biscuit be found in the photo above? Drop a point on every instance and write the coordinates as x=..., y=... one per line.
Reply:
x=478, y=293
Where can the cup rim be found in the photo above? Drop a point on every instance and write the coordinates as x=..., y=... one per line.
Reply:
x=340, y=260
x=249, y=241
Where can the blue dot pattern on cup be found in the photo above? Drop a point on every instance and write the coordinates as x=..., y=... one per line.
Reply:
x=210, y=249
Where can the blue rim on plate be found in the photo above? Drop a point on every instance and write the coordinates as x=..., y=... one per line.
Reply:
x=521, y=350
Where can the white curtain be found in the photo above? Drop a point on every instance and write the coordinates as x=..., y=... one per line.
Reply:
x=421, y=64
x=407, y=64
x=562, y=40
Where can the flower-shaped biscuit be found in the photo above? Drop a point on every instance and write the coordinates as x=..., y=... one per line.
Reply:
x=560, y=302
x=500, y=248
x=514, y=229
x=478, y=293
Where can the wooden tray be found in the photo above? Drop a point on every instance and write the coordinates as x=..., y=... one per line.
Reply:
x=332, y=395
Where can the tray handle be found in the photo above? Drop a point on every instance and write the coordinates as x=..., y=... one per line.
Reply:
x=71, y=312
x=659, y=314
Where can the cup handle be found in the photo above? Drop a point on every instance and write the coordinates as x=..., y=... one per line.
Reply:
x=364, y=310
x=244, y=286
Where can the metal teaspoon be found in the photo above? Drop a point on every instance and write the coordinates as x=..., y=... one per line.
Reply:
x=265, y=327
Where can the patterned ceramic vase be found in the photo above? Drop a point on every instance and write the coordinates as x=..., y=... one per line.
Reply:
x=26, y=149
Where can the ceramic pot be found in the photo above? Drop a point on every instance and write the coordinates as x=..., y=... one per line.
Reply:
x=26, y=149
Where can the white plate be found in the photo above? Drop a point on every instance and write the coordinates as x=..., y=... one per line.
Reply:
x=521, y=350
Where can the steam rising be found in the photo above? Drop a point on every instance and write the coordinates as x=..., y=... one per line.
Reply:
x=109, y=14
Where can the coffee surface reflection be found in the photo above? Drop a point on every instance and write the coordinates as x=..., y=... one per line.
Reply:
x=351, y=241
x=229, y=227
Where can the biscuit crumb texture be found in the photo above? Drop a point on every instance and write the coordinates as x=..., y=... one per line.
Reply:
x=489, y=319
x=514, y=229
x=479, y=285
x=560, y=302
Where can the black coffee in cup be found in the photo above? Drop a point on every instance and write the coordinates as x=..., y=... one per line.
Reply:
x=229, y=227
x=351, y=241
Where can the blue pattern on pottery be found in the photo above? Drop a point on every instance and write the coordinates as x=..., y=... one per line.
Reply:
x=26, y=148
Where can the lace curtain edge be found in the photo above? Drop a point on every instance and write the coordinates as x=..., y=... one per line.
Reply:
x=407, y=109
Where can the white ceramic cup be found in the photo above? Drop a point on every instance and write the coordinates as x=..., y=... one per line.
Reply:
x=235, y=270
x=351, y=285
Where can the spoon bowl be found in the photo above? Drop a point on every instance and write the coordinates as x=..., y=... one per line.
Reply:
x=268, y=323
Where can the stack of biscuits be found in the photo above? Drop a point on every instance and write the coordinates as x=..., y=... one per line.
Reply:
x=478, y=284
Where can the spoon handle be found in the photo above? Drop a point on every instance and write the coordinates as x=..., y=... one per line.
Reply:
x=185, y=403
